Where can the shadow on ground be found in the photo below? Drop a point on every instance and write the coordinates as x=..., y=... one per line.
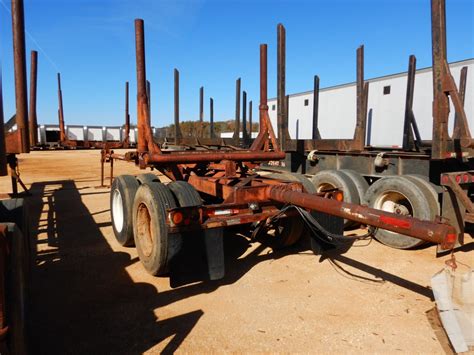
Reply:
x=83, y=300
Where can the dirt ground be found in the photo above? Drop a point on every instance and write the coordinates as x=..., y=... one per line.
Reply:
x=91, y=295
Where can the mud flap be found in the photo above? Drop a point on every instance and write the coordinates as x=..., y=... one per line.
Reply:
x=454, y=296
x=332, y=224
x=214, y=245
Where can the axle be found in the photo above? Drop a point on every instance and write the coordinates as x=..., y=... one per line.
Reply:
x=428, y=231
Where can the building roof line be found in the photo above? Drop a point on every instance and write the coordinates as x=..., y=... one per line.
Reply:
x=378, y=78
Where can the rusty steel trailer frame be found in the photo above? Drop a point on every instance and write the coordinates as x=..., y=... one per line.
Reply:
x=227, y=173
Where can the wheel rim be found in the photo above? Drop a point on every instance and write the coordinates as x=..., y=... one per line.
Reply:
x=144, y=230
x=394, y=202
x=325, y=186
x=117, y=210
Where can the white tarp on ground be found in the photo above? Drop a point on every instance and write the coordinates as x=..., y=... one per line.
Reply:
x=454, y=295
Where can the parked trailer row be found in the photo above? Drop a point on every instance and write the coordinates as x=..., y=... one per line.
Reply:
x=49, y=134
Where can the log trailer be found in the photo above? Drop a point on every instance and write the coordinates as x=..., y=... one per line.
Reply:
x=216, y=187
x=424, y=179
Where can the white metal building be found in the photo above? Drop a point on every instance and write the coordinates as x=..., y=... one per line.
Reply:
x=337, y=107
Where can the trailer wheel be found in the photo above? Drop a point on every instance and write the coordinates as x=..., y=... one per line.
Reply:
x=281, y=234
x=150, y=230
x=307, y=184
x=360, y=183
x=122, y=193
x=402, y=196
x=147, y=178
x=428, y=189
x=334, y=179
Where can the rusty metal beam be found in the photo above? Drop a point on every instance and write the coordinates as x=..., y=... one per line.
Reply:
x=3, y=149
x=411, y=134
x=145, y=135
x=189, y=157
x=201, y=104
x=244, y=116
x=263, y=107
x=424, y=230
x=237, y=112
x=33, y=122
x=62, y=129
x=282, y=110
x=211, y=118
x=177, y=128
x=126, y=139
x=201, y=112
x=440, y=99
x=316, y=134
x=250, y=119
x=458, y=122
x=19, y=59
x=361, y=122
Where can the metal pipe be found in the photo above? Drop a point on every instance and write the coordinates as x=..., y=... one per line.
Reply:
x=316, y=134
x=62, y=129
x=33, y=123
x=3, y=149
x=18, y=22
x=263, y=107
x=127, y=115
x=244, y=116
x=408, y=138
x=440, y=99
x=282, y=114
x=177, y=128
x=236, y=136
x=201, y=112
x=250, y=119
x=183, y=157
x=361, y=120
x=425, y=230
x=142, y=100
x=201, y=104
x=211, y=118
x=462, y=93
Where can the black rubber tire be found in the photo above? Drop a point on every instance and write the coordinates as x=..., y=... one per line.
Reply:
x=429, y=189
x=419, y=200
x=147, y=178
x=150, y=231
x=360, y=183
x=307, y=184
x=122, y=194
x=186, y=195
x=341, y=181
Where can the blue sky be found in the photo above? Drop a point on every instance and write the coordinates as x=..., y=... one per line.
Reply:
x=212, y=43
